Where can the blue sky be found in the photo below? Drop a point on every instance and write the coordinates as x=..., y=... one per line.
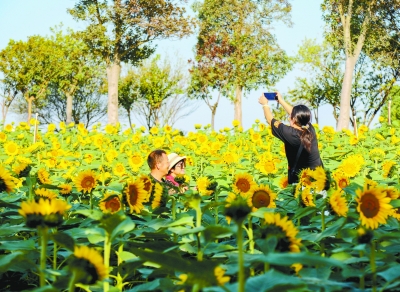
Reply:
x=22, y=18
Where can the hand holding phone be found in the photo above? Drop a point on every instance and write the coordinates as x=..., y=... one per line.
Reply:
x=271, y=95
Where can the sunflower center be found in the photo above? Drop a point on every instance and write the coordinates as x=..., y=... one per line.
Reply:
x=369, y=205
x=113, y=205
x=133, y=197
x=147, y=185
x=261, y=199
x=3, y=185
x=243, y=185
x=342, y=183
x=283, y=241
x=88, y=182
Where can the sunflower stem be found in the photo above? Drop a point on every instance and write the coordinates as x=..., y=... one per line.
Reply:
x=90, y=201
x=216, y=208
x=362, y=279
x=107, y=252
x=373, y=265
x=43, y=253
x=250, y=234
x=240, y=257
x=173, y=207
x=55, y=256
x=120, y=284
x=198, y=224
x=71, y=286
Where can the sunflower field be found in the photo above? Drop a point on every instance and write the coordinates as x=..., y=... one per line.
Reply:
x=79, y=211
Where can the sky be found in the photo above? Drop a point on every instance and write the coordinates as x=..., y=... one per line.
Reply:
x=22, y=18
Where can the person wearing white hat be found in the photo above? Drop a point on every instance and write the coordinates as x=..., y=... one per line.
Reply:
x=176, y=167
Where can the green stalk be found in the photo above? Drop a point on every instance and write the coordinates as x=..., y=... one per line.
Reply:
x=43, y=255
x=173, y=207
x=216, y=208
x=90, y=201
x=198, y=224
x=120, y=284
x=373, y=266
x=240, y=257
x=362, y=279
x=55, y=256
x=251, y=237
x=71, y=286
x=322, y=246
x=107, y=253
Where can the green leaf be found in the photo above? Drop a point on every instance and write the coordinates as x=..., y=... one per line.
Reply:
x=213, y=232
x=125, y=226
x=186, y=220
x=92, y=214
x=302, y=212
x=180, y=230
x=7, y=260
x=395, y=203
x=391, y=274
x=18, y=245
x=64, y=240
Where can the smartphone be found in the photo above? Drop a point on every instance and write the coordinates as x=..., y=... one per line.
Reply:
x=271, y=95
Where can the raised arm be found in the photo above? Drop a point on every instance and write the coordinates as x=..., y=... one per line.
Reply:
x=288, y=108
x=267, y=111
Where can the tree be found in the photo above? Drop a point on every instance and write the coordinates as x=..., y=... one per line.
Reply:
x=354, y=25
x=373, y=80
x=124, y=31
x=29, y=67
x=8, y=94
x=254, y=56
x=210, y=72
x=78, y=68
x=158, y=84
x=394, y=97
x=322, y=86
x=89, y=106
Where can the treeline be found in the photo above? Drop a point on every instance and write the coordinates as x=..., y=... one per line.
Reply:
x=76, y=76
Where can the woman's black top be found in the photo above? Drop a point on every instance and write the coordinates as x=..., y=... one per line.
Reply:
x=291, y=137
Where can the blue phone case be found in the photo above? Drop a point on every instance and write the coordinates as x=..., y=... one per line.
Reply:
x=270, y=95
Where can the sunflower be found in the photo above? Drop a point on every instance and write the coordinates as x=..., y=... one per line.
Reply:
x=319, y=177
x=395, y=213
x=111, y=155
x=88, y=265
x=220, y=276
x=203, y=184
x=341, y=179
x=243, y=183
x=388, y=168
x=283, y=182
x=338, y=203
x=11, y=148
x=43, y=176
x=119, y=169
x=135, y=195
x=284, y=230
x=44, y=212
x=135, y=161
x=263, y=196
x=373, y=206
x=351, y=166
x=45, y=193
x=3, y=137
x=307, y=198
x=111, y=203
x=148, y=184
x=305, y=177
x=157, y=196
x=65, y=189
x=229, y=157
x=85, y=181
x=392, y=193
x=6, y=181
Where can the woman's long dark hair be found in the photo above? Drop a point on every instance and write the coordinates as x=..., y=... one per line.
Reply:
x=301, y=115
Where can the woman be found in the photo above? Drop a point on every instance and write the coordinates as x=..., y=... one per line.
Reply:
x=301, y=145
x=177, y=166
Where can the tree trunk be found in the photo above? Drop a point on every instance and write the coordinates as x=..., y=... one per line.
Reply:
x=69, y=108
x=30, y=99
x=213, y=112
x=344, y=116
x=113, y=72
x=238, y=104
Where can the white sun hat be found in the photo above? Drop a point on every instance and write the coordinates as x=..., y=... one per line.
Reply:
x=173, y=159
